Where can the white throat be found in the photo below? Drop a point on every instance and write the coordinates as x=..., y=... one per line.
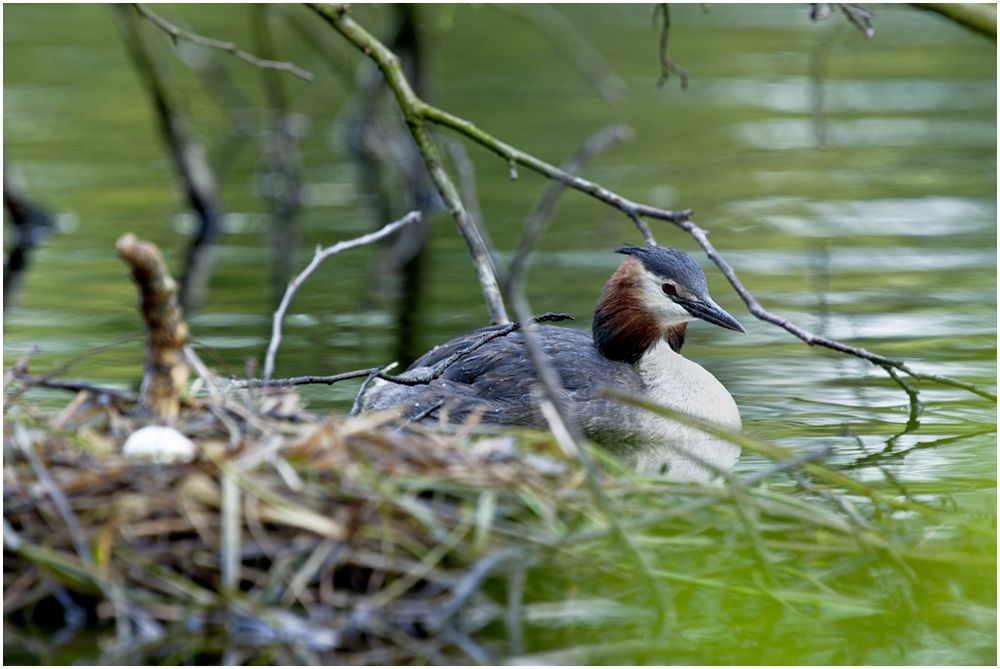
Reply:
x=683, y=385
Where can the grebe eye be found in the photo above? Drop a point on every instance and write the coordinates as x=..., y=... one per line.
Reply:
x=668, y=289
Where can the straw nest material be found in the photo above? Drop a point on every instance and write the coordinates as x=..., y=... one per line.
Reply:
x=294, y=538
x=324, y=535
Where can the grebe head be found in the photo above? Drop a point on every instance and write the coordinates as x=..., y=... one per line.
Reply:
x=652, y=296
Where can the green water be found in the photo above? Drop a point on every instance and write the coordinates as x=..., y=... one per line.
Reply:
x=873, y=222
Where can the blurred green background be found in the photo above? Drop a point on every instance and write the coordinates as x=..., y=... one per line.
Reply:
x=850, y=182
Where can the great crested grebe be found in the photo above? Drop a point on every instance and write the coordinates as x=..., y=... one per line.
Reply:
x=639, y=326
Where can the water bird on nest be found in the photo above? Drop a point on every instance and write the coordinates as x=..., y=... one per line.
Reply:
x=638, y=330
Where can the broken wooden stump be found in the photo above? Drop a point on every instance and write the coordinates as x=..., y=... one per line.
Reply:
x=165, y=372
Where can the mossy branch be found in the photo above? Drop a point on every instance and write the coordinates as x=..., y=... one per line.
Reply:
x=980, y=18
x=417, y=112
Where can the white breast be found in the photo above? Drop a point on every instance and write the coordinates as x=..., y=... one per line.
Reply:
x=680, y=384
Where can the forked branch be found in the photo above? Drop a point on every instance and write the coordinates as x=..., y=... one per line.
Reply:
x=668, y=66
x=319, y=256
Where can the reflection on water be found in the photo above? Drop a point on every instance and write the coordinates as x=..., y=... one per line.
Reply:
x=901, y=197
x=801, y=133
x=797, y=95
x=913, y=217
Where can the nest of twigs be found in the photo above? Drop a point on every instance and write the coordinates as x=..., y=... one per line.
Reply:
x=299, y=539
x=327, y=540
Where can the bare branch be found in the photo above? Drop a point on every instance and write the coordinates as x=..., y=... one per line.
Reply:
x=416, y=110
x=321, y=255
x=916, y=407
x=466, y=171
x=179, y=33
x=32, y=223
x=468, y=227
x=667, y=66
x=570, y=438
x=75, y=387
x=359, y=396
x=238, y=384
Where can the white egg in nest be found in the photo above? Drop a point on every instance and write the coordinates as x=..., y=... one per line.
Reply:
x=156, y=443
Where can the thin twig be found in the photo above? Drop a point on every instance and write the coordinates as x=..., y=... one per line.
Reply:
x=568, y=435
x=468, y=585
x=64, y=366
x=32, y=223
x=201, y=369
x=534, y=224
x=179, y=33
x=514, y=611
x=667, y=66
x=76, y=386
x=434, y=406
x=24, y=442
x=356, y=406
x=916, y=407
x=319, y=256
x=468, y=227
x=466, y=171
x=239, y=384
